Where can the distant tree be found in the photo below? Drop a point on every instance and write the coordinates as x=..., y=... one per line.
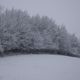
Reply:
x=75, y=45
x=64, y=43
x=18, y=30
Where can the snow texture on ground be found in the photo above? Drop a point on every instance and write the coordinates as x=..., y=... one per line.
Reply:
x=39, y=67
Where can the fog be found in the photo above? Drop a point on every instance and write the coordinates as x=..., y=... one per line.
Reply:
x=65, y=12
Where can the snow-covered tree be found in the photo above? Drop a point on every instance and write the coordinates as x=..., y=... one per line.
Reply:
x=18, y=30
x=64, y=41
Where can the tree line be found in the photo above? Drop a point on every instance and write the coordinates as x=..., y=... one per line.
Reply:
x=20, y=31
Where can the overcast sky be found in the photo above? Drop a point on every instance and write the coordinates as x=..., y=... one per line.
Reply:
x=65, y=12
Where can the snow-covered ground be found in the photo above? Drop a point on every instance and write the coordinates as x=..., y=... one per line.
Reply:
x=39, y=67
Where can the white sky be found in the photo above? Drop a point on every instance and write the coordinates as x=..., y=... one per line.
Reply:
x=65, y=12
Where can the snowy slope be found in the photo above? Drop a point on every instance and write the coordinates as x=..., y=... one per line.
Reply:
x=39, y=67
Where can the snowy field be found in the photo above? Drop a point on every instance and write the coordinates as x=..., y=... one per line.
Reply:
x=39, y=67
